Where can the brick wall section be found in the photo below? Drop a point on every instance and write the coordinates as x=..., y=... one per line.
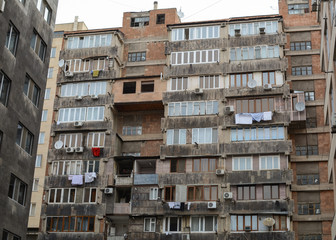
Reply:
x=327, y=202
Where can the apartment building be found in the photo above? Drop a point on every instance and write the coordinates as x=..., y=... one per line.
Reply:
x=46, y=123
x=311, y=188
x=25, y=43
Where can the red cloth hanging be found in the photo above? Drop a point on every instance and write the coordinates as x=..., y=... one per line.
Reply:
x=96, y=152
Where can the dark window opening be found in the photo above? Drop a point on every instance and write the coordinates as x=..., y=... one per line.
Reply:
x=129, y=87
x=147, y=86
x=123, y=195
x=177, y=165
x=137, y=57
x=160, y=19
x=139, y=21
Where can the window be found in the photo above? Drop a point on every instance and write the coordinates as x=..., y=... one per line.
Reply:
x=306, y=150
x=195, y=57
x=280, y=223
x=41, y=138
x=178, y=34
x=139, y=21
x=204, y=135
x=209, y=82
x=257, y=133
x=240, y=80
x=91, y=41
x=1, y=136
x=177, y=165
x=172, y=224
x=244, y=222
x=83, y=89
x=132, y=130
x=204, y=165
x=62, y=195
x=81, y=114
x=270, y=27
x=147, y=86
x=169, y=193
x=178, y=84
x=311, y=122
x=309, y=96
x=255, y=105
x=4, y=88
x=203, y=224
x=38, y=161
x=271, y=191
x=38, y=45
x=12, y=38
x=71, y=224
x=268, y=78
x=44, y=115
x=308, y=179
x=137, y=57
x=50, y=72
x=309, y=209
x=53, y=52
x=160, y=19
x=47, y=94
x=73, y=140
x=176, y=136
x=24, y=138
x=298, y=8
x=149, y=224
x=246, y=193
x=194, y=33
x=153, y=193
x=32, y=90
x=17, y=190
x=134, y=154
x=300, y=46
x=32, y=209
x=45, y=10
x=192, y=108
x=67, y=167
x=269, y=162
x=9, y=236
x=90, y=195
x=202, y=193
x=95, y=114
x=129, y=87
x=257, y=52
x=35, y=184
x=96, y=139
x=85, y=65
x=302, y=71
x=242, y=163
x=91, y=166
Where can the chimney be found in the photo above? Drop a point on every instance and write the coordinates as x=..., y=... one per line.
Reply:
x=75, y=24
x=155, y=5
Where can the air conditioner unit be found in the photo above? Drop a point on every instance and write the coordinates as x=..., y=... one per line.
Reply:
x=70, y=150
x=78, y=124
x=94, y=96
x=198, y=90
x=229, y=109
x=212, y=205
x=227, y=195
x=267, y=86
x=108, y=190
x=333, y=120
x=247, y=228
x=68, y=74
x=219, y=171
x=79, y=98
x=185, y=237
x=79, y=149
x=262, y=30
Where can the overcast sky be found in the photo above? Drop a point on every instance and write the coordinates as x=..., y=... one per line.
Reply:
x=108, y=13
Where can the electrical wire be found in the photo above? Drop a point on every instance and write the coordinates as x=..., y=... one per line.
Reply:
x=202, y=9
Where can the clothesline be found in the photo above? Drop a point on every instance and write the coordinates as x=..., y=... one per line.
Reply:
x=248, y=118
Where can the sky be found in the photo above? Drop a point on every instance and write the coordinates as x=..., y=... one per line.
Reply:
x=108, y=13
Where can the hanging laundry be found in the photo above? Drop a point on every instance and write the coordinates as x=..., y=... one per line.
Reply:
x=76, y=179
x=89, y=177
x=243, y=118
x=96, y=152
x=257, y=116
x=267, y=116
x=95, y=73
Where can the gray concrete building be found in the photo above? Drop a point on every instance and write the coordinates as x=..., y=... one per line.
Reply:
x=25, y=44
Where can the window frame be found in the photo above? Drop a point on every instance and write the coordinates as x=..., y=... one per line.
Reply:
x=93, y=136
x=167, y=224
x=66, y=167
x=53, y=227
x=178, y=170
x=271, y=186
x=237, y=160
x=172, y=193
x=160, y=18
x=32, y=91
x=21, y=138
x=92, y=197
x=242, y=196
x=10, y=41
x=193, y=190
x=200, y=166
x=139, y=21
x=35, y=186
x=38, y=45
x=4, y=91
x=15, y=189
x=38, y=160
x=53, y=193
x=137, y=57
x=152, y=220
x=272, y=164
x=153, y=193
x=181, y=136
x=201, y=226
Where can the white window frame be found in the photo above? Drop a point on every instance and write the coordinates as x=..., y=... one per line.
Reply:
x=90, y=41
x=208, y=81
x=236, y=163
x=182, y=136
x=204, y=135
x=259, y=52
x=254, y=134
x=274, y=160
x=72, y=167
x=41, y=138
x=90, y=195
x=166, y=225
x=201, y=223
x=191, y=57
x=44, y=115
x=178, y=34
x=38, y=161
x=98, y=136
x=32, y=209
x=62, y=194
x=66, y=115
x=92, y=163
x=35, y=186
x=137, y=130
x=192, y=108
x=153, y=193
x=50, y=72
x=152, y=224
x=184, y=83
x=47, y=94
x=253, y=28
x=95, y=113
x=240, y=226
x=78, y=141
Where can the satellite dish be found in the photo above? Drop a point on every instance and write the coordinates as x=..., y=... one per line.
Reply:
x=61, y=63
x=300, y=106
x=269, y=222
x=180, y=14
x=252, y=83
x=58, y=144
